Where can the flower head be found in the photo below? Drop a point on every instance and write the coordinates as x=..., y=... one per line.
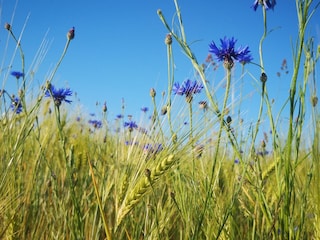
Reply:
x=17, y=74
x=187, y=88
x=16, y=105
x=130, y=125
x=95, y=123
x=228, y=54
x=119, y=116
x=58, y=95
x=144, y=109
x=268, y=4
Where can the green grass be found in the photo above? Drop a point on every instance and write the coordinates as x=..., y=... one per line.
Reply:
x=61, y=178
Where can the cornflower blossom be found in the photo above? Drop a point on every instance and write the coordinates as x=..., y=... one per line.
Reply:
x=187, y=88
x=150, y=149
x=119, y=116
x=16, y=105
x=95, y=123
x=268, y=4
x=58, y=95
x=17, y=74
x=144, y=109
x=228, y=54
x=130, y=125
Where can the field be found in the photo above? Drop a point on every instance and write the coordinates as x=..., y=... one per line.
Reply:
x=65, y=175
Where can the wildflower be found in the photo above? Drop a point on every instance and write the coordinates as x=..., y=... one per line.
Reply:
x=58, y=95
x=119, y=116
x=144, y=109
x=95, y=123
x=266, y=3
x=228, y=54
x=236, y=161
x=17, y=74
x=16, y=105
x=70, y=34
x=131, y=125
x=187, y=88
x=152, y=149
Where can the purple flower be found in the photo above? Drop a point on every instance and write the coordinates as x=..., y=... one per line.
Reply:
x=95, y=123
x=119, y=116
x=16, y=105
x=130, y=125
x=17, y=74
x=58, y=95
x=187, y=88
x=144, y=109
x=227, y=52
x=266, y=3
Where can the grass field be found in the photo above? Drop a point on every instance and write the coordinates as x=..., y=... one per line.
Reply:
x=64, y=176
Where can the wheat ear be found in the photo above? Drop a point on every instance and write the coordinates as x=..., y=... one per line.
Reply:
x=143, y=185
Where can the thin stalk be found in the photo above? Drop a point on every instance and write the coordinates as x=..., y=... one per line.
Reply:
x=209, y=191
x=105, y=224
x=170, y=84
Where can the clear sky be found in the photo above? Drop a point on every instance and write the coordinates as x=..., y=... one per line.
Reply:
x=119, y=51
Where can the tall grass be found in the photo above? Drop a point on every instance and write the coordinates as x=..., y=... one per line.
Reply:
x=63, y=177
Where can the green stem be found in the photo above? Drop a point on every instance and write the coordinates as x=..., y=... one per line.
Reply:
x=170, y=84
x=222, y=124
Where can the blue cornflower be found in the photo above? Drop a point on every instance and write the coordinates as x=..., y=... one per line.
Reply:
x=119, y=116
x=95, y=123
x=17, y=74
x=131, y=125
x=16, y=105
x=144, y=109
x=58, y=95
x=187, y=88
x=266, y=3
x=228, y=54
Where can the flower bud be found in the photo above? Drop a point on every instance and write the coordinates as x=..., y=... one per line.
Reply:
x=314, y=100
x=104, y=108
x=70, y=34
x=7, y=26
x=152, y=92
x=263, y=77
x=168, y=39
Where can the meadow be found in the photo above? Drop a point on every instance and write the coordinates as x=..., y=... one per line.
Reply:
x=65, y=175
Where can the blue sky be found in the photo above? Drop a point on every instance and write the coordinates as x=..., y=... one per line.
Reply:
x=119, y=51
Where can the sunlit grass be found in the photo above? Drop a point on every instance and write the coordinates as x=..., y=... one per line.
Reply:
x=192, y=170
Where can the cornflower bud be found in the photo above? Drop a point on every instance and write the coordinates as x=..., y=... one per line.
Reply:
x=104, y=108
x=263, y=77
x=168, y=39
x=314, y=101
x=152, y=92
x=7, y=26
x=70, y=34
